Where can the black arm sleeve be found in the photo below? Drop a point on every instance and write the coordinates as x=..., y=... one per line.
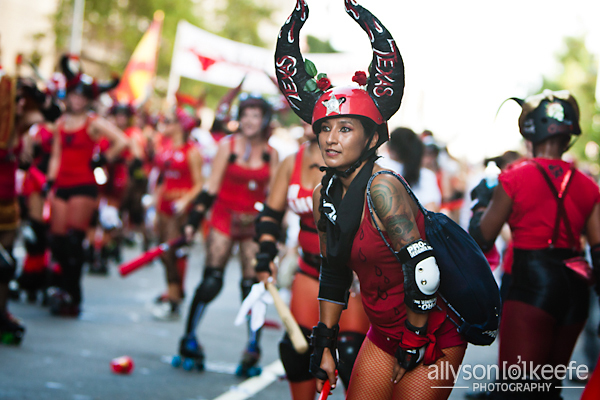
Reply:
x=475, y=232
x=334, y=283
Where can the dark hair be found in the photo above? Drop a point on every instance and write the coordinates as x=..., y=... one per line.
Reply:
x=504, y=160
x=370, y=128
x=406, y=145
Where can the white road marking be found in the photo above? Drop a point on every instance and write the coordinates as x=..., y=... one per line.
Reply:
x=251, y=386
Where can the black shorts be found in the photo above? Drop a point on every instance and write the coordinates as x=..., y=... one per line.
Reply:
x=541, y=279
x=83, y=190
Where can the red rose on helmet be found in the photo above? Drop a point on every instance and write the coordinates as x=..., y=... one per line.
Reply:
x=323, y=83
x=360, y=77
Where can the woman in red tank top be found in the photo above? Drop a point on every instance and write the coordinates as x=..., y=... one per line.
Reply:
x=107, y=237
x=38, y=146
x=408, y=334
x=292, y=189
x=548, y=205
x=241, y=171
x=180, y=164
x=71, y=174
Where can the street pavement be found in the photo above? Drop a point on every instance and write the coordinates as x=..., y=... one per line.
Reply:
x=69, y=359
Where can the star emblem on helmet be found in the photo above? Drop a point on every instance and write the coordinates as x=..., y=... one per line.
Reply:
x=333, y=104
x=555, y=110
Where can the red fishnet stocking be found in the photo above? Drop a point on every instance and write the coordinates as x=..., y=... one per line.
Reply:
x=372, y=376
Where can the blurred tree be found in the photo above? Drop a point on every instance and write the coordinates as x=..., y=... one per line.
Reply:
x=316, y=45
x=113, y=28
x=579, y=75
x=239, y=20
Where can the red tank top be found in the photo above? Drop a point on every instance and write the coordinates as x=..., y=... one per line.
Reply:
x=380, y=275
x=299, y=199
x=9, y=161
x=43, y=138
x=176, y=171
x=77, y=149
x=243, y=187
x=534, y=207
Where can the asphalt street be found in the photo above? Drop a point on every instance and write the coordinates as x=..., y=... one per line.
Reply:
x=62, y=358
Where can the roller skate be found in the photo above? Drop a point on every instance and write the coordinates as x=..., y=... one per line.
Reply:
x=32, y=283
x=12, y=330
x=13, y=290
x=99, y=264
x=61, y=304
x=191, y=354
x=166, y=311
x=248, y=366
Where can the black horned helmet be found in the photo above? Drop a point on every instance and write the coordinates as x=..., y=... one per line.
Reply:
x=377, y=97
x=547, y=114
x=82, y=83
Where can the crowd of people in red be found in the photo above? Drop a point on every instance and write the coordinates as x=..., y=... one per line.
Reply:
x=76, y=179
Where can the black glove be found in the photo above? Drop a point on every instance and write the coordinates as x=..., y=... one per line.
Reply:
x=267, y=253
x=482, y=193
x=98, y=161
x=412, y=346
x=194, y=218
x=322, y=337
x=135, y=169
x=46, y=187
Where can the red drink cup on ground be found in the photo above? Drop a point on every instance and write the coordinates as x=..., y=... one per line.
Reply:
x=122, y=365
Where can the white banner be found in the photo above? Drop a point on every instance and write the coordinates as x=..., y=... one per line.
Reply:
x=206, y=57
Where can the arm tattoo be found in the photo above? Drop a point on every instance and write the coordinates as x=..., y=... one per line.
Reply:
x=394, y=213
x=400, y=228
x=383, y=196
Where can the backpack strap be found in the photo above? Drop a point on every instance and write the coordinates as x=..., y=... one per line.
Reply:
x=373, y=212
x=561, y=212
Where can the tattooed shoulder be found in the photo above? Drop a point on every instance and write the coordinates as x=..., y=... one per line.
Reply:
x=394, y=211
x=383, y=193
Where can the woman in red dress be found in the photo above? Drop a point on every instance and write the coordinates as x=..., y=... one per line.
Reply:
x=180, y=165
x=399, y=286
x=71, y=175
x=241, y=172
x=292, y=189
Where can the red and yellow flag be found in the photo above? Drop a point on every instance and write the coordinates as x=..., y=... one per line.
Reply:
x=137, y=80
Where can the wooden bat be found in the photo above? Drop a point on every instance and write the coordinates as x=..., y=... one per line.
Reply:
x=291, y=326
x=138, y=262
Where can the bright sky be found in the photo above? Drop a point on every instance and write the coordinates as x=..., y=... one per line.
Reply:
x=463, y=59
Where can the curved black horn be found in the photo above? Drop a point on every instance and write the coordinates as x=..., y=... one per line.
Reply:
x=106, y=86
x=66, y=68
x=289, y=65
x=386, y=82
x=519, y=101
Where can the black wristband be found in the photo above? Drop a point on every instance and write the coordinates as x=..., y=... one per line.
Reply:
x=267, y=253
x=135, y=169
x=269, y=212
x=322, y=337
x=205, y=199
x=98, y=160
x=46, y=187
x=194, y=218
x=482, y=193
